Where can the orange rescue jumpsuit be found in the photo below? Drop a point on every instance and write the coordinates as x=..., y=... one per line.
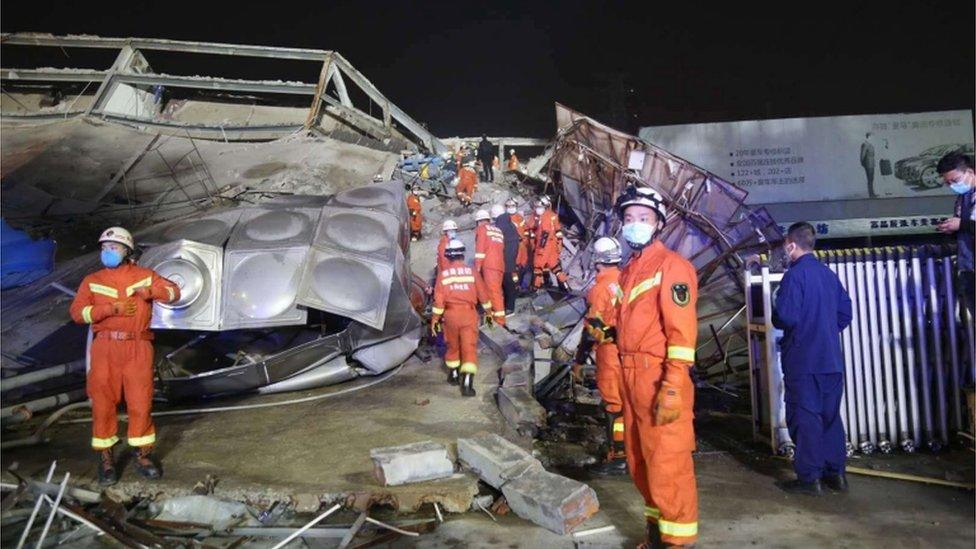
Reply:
x=548, y=243
x=416, y=216
x=441, y=260
x=656, y=334
x=456, y=294
x=513, y=163
x=601, y=319
x=522, y=258
x=489, y=262
x=121, y=351
x=467, y=184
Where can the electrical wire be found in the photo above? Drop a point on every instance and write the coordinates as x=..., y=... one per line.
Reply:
x=240, y=407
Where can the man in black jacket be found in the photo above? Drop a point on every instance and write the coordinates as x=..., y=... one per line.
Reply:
x=957, y=171
x=503, y=220
x=486, y=153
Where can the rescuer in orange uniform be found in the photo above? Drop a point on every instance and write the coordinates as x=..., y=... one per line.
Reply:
x=456, y=294
x=416, y=214
x=601, y=319
x=513, y=162
x=467, y=184
x=657, y=327
x=548, y=244
x=117, y=302
x=522, y=259
x=489, y=263
x=448, y=233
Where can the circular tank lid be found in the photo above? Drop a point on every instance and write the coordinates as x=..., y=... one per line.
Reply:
x=366, y=196
x=346, y=284
x=276, y=225
x=189, y=273
x=358, y=232
x=264, y=286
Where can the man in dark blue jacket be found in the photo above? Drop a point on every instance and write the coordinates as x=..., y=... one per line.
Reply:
x=956, y=170
x=812, y=308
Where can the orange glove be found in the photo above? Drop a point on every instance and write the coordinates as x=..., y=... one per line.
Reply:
x=668, y=405
x=124, y=308
x=144, y=293
x=435, y=326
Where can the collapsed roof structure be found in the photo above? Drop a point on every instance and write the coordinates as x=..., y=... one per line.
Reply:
x=708, y=221
x=294, y=267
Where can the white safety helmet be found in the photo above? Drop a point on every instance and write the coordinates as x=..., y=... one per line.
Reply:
x=497, y=210
x=511, y=203
x=545, y=201
x=481, y=215
x=454, y=249
x=606, y=250
x=448, y=225
x=643, y=196
x=511, y=151
x=469, y=164
x=118, y=235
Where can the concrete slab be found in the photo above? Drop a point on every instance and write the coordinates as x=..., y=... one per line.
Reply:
x=556, y=503
x=501, y=342
x=417, y=462
x=521, y=378
x=521, y=409
x=516, y=363
x=494, y=459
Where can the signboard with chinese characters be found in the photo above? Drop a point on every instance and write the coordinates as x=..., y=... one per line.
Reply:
x=826, y=158
x=873, y=226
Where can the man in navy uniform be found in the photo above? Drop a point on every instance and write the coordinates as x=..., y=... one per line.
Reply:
x=812, y=308
x=956, y=170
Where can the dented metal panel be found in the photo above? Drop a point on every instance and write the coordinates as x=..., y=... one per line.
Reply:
x=197, y=269
x=212, y=229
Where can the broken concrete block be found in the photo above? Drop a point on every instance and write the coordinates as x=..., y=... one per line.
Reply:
x=520, y=378
x=552, y=501
x=521, y=362
x=568, y=312
x=306, y=503
x=501, y=342
x=494, y=459
x=519, y=323
x=415, y=462
x=542, y=300
x=542, y=359
x=521, y=409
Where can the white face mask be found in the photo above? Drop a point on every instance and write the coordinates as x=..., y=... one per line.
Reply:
x=451, y=234
x=540, y=210
x=511, y=211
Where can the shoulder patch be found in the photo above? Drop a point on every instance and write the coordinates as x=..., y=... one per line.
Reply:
x=680, y=294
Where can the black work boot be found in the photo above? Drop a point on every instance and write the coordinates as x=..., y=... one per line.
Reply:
x=837, y=483
x=652, y=537
x=452, y=376
x=798, y=486
x=107, y=475
x=467, y=384
x=145, y=464
x=616, y=461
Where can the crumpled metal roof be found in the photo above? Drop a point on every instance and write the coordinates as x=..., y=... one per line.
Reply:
x=708, y=221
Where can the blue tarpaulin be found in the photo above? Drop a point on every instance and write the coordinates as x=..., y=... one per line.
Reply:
x=23, y=260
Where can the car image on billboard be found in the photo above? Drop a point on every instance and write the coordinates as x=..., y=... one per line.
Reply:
x=920, y=170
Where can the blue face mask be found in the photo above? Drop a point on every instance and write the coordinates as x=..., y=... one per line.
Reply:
x=111, y=258
x=638, y=234
x=959, y=186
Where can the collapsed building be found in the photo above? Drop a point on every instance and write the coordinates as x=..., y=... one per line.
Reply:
x=285, y=226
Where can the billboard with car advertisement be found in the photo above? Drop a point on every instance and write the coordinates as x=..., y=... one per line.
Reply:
x=825, y=158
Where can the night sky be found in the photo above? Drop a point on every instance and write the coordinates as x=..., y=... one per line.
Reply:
x=498, y=67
